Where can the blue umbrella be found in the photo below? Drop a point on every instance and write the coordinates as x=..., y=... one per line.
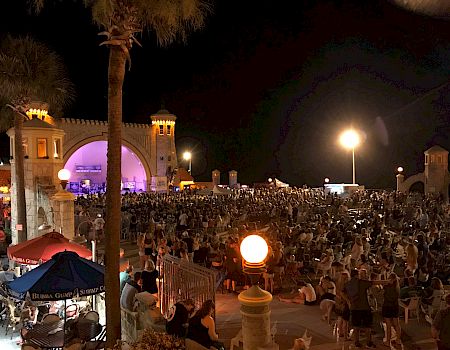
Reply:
x=64, y=276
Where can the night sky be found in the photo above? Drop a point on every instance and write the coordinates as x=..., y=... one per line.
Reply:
x=266, y=87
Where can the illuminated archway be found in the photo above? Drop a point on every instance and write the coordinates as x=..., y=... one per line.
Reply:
x=88, y=168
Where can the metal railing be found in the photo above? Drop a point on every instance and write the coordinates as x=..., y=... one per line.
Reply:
x=182, y=280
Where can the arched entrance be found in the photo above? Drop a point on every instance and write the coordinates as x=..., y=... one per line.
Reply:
x=417, y=187
x=88, y=165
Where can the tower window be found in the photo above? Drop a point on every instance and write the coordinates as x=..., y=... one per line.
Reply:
x=57, y=148
x=161, y=158
x=169, y=158
x=161, y=129
x=25, y=146
x=42, y=148
x=169, y=129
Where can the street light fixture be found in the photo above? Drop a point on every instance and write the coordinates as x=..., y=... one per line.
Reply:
x=255, y=309
x=64, y=176
x=350, y=139
x=400, y=169
x=188, y=156
x=326, y=180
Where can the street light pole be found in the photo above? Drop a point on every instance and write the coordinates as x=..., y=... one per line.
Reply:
x=350, y=139
x=353, y=156
x=190, y=165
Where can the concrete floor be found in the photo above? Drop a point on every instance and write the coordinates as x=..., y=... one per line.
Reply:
x=292, y=320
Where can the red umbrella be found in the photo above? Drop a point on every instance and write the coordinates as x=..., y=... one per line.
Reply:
x=41, y=249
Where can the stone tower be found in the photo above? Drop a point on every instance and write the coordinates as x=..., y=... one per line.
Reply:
x=42, y=144
x=232, y=178
x=436, y=170
x=164, y=154
x=215, y=177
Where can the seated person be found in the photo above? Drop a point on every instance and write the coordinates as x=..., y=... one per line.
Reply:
x=305, y=295
x=410, y=289
x=129, y=292
x=326, y=289
x=178, y=320
x=202, y=328
x=125, y=276
x=7, y=275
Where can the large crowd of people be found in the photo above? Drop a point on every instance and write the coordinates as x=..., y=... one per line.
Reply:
x=354, y=255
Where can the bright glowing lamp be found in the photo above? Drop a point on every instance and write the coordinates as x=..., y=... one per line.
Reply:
x=400, y=169
x=269, y=180
x=349, y=139
x=187, y=155
x=327, y=180
x=254, y=249
x=64, y=175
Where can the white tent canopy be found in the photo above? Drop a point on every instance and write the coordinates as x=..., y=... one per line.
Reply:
x=220, y=191
x=279, y=183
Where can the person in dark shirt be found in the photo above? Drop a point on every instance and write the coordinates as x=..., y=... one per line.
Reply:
x=177, y=322
x=360, y=312
x=149, y=276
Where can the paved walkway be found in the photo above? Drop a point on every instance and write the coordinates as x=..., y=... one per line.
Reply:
x=292, y=320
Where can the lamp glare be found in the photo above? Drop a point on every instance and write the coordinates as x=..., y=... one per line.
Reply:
x=349, y=139
x=64, y=175
x=254, y=249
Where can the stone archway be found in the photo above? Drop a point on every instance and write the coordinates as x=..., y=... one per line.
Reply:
x=73, y=151
x=418, y=187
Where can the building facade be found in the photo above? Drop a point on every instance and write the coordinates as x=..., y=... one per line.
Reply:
x=435, y=179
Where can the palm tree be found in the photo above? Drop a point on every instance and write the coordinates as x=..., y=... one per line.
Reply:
x=29, y=71
x=121, y=20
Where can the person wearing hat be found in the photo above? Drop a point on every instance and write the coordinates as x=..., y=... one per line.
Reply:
x=440, y=329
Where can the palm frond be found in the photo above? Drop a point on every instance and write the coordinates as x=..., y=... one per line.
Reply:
x=429, y=7
x=30, y=71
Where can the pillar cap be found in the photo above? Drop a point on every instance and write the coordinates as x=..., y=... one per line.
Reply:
x=63, y=196
x=255, y=296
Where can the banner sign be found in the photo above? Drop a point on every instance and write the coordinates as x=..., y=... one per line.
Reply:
x=88, y=168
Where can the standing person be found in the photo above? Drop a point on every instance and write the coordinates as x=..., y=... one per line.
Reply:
x=342, y=306
x=178, y=319
x=390, y=308
x=440, y=330
x=141, y=251
x=99, y=223
x=149, y=276
x=202, y=328
x=360, y=312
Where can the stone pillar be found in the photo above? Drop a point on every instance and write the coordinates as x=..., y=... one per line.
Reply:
x=255, y=311
x=232, y=178
x=400, y=178
x=63, y=205
x=216, y=177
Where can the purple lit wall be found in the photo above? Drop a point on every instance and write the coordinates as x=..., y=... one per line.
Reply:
x=94, y=154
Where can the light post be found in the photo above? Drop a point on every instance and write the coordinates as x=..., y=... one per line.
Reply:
x=66, y=205
x=350, y=139
x=400, y=179
x=188, y=156
x=255, y=309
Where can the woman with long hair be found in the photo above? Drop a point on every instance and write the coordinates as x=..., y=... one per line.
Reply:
x=390, y=309
x=202, y=328
x=412, y=254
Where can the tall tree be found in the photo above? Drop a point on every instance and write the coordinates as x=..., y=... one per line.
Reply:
x=29, y=71
x=121, y=20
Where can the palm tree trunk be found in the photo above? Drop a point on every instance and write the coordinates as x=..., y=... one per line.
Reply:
x=116, y=74
x=20, y=178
